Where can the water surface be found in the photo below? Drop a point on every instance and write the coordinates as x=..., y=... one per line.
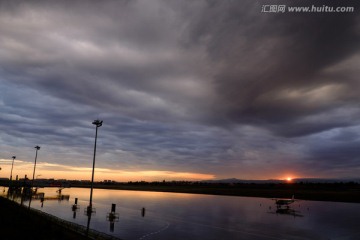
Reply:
x=195, y=216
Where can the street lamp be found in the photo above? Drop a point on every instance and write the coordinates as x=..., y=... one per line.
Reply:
x=37, y=149
x=12, y=165
x=10, y=182
x=98, y=124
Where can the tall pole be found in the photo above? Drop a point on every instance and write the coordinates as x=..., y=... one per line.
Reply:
x=32, y=183
x=98, y=124
x=12, y=166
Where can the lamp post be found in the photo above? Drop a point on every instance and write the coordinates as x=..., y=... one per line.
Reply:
x=10, y=182
x=37, y=149
x=98, y=124
x=12, y=165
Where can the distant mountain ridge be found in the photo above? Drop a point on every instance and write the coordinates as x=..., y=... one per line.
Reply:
x=295, y=180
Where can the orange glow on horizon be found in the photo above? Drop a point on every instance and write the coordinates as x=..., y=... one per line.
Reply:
x=58, y=171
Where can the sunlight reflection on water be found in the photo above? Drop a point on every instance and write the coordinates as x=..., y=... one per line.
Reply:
x=190, y=216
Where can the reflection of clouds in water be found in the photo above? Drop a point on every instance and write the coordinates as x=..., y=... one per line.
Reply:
x=154, y=233
x=210, y=217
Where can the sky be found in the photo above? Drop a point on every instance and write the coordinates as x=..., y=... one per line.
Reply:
x=187, y=90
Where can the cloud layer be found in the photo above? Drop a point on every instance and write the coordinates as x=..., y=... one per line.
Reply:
x=211, y=87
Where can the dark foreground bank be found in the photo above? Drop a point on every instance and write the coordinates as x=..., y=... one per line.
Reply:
x=19, y=222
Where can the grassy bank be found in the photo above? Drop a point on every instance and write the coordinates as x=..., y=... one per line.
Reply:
x=19, y=222
x=337, y=192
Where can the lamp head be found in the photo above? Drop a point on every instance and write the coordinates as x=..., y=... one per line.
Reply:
x=97, y=122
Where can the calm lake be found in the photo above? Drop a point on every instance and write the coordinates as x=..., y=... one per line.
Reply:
x=189, y=216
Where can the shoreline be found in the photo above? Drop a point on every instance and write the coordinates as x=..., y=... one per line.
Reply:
x=332, y=192
x=313, y=192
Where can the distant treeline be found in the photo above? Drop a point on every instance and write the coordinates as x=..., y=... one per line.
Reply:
x=262, y=185
x=336, y=191
x=339, y=191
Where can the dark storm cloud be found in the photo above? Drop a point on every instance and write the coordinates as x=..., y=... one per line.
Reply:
x=268, y=71
x=121, y=55
x=180, y=85
x=335, y=153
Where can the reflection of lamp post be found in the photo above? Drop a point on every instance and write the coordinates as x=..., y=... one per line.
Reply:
x=12, y=165
x=98, y=124
x=32, y=183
